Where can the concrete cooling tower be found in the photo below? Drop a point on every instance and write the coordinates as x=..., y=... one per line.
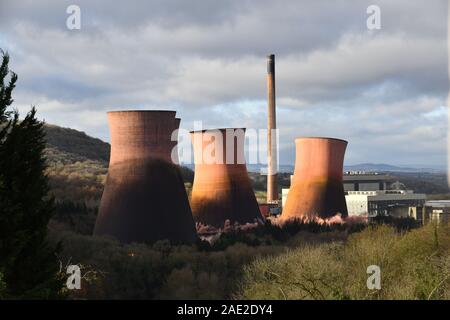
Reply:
x=317, y=187
x=222, y=189
x=144, y=199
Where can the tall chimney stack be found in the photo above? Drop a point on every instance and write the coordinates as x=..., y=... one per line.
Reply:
x=272, y=187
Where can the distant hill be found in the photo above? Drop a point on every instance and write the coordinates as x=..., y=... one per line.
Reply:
x=77, y=165
x=374, y=167
x=369, y=167
x=382, y=167
x=75, y=145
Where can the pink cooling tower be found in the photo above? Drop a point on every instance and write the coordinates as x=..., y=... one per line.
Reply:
x=222, y=191
x=144, y=199
x=317, y=187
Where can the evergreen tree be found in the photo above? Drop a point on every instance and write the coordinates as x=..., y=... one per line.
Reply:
x=29, y=265
x=2, y=286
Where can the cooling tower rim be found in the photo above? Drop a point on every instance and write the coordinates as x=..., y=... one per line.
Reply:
x=143, y=111
x=321, y=138
x=215, y=129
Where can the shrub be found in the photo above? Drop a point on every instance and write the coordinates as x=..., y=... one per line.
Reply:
x=414, y=265
x=161, y=270
x=309, y=272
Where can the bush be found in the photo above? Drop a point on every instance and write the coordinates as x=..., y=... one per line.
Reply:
x=161, y=270
x=414, y=265
x=75, y=216
x=164, y=271
x=295, y=261
x=299, y=274
x=2, y=286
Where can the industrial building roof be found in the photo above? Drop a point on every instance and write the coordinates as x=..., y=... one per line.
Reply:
x=438, y=203
x=366, y=177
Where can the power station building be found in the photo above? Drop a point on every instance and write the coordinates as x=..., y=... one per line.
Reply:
x=432, y=211
x=382, y=202
x=438, y=210
x=363, y=181
x=368, y=194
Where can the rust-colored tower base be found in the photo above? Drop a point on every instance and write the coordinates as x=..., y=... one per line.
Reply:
x=144, y=199
x=317, y=187
x=222, y=191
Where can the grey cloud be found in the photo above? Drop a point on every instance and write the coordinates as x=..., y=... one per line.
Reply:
x=206, y=60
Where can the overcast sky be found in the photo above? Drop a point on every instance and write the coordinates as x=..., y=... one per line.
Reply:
x=383, y=90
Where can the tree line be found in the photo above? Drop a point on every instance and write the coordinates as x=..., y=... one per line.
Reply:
x=29, y=266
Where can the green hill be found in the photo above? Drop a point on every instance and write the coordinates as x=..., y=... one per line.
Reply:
x=77, y=165
x=75, y=145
